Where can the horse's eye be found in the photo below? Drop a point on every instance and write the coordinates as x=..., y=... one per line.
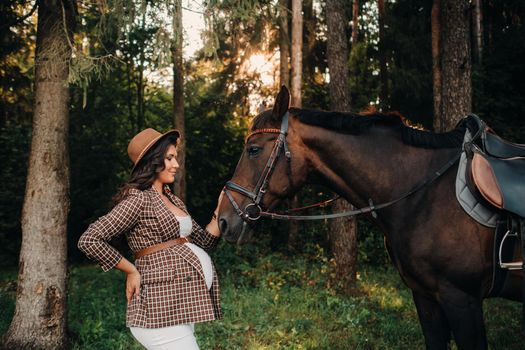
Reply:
x=253, y=151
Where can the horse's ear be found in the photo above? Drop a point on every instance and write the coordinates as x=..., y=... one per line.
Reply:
x=282, y=102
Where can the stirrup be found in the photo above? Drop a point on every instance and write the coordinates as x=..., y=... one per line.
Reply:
x=513, y=265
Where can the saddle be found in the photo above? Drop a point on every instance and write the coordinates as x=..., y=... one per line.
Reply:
x=495, y=174
x=498, y=171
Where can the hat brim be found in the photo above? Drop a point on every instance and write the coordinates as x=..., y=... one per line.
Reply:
x=153, y=143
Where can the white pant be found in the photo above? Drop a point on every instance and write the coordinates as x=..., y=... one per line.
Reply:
x=166, y=338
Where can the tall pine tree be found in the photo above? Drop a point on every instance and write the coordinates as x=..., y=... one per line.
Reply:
x=40, y=314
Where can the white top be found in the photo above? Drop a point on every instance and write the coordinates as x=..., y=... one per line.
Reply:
x=185, y=225
x=207, y=267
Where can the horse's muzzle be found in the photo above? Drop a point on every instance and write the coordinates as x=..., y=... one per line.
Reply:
x=234, y=229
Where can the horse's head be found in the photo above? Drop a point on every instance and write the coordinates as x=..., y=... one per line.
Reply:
x=271, y=168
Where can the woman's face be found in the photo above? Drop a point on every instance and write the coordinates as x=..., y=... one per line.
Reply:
x=171, y=166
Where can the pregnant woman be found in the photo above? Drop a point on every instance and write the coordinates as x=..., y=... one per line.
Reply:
x=172, y=283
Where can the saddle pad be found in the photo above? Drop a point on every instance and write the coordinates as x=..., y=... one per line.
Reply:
x=501, y=181
x=483, y=215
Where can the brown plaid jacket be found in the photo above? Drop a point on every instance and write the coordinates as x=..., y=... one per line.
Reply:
x=173, y=290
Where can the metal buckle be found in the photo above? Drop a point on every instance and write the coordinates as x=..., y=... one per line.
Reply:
x=248, y=214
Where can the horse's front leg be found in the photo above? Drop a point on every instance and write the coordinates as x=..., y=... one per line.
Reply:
x=433, y=322
x=465, y=317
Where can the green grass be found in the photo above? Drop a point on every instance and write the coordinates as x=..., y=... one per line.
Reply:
x=272, y=302
x=7, y=298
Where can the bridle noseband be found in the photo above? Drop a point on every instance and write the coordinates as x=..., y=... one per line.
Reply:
x=252, y=211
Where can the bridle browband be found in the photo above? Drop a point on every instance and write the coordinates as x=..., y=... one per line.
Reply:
x=253, y=211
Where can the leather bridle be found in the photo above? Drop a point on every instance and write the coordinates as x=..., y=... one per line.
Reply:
x=253, y=211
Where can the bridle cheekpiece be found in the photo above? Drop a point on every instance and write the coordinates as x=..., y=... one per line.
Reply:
x=252, y=211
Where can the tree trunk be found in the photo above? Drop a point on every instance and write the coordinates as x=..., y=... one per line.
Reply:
x=455, y=64
x=343, y=231
x=297, y=52
x=477, y=26
x=284, y=43
x=383, y=71
x=355, y=21
x=489, y=18
x=39, y=321
x=436, y=65
x=140, y=83
x=296, y=84
x=178, y=99
x=129, y=96
x=337, y=55
x=309, y=41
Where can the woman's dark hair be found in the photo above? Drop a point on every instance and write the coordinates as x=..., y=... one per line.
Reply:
x=147, y=169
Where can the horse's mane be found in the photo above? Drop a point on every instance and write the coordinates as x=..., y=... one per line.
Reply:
x=355, y=124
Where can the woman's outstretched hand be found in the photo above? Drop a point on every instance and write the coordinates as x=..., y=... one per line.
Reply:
x=213, y=226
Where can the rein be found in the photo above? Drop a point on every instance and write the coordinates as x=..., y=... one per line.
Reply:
x=253, y=211
x=371, y=208
x=320, y=204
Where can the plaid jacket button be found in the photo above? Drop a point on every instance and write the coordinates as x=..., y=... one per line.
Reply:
x=188, y=278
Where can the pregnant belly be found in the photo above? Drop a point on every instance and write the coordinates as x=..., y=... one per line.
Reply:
x=204, y=258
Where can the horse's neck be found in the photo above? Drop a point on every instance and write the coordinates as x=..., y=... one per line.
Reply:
x=376, y=166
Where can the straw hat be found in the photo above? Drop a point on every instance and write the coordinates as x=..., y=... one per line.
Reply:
x=143, y=141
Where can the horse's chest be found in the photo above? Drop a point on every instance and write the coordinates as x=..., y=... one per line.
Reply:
x=399, y=264
x=414, y=267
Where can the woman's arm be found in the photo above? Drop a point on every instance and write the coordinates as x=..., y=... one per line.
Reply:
x=94, y=242
x=208, y=238
x=213, y=226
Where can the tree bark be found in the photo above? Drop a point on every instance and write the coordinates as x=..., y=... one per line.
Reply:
x=337, y=55
x=383, y=71
x=309, y=42
x=296, y=85
x=455, y=64
x=355, y=21
x=129, y=95
x=178, y=99
x=436, y=65
x=140, y=84
x=477, y=21
x=284, y=43
x=297, y=55
x=39, y=321
x=489, y=18
x=343, y=231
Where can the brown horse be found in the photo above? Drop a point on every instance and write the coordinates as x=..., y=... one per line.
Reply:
x=442, y=255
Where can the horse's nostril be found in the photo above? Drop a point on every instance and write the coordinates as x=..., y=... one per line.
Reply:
x=223, y=225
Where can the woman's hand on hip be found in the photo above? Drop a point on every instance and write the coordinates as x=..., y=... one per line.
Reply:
x=132, y=278
x=132, y=285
